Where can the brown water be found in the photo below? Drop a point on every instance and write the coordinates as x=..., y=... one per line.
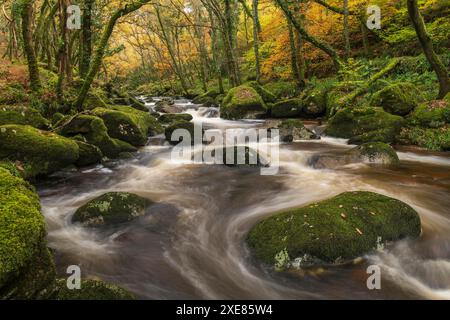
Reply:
x=192, y=245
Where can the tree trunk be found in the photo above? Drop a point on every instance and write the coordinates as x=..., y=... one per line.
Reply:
x=62, y=52
x=96, y=62
x=346, y=31
x=427, y=46
x=86, y=38
x=33, y=69
x=256, y=39
x=229, y=39
x=294, y=54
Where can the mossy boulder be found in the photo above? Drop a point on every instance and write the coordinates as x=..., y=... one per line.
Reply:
x=174, y=117
x=294, y=129
x=91, y=290
x=399, y=99
x=94, y=100
x=137, y=104
x=435, y=139
x=282, y=89
x=167, y=105
x=183, y=125
x=91, y=129
x=208, y=99
x=315, y=103
x=26, y=266
x=434, y=114
x=265, y=94
x=89, y=154
x=371, y=152
x=41, y=152
x=242, y=102
x=111, y=208
x=362, y=125
x=22, y=115
x=287, y=108
x=335, y=230
x=128, y=124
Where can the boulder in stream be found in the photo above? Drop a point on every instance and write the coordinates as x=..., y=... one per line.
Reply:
x=243, y=102
x=22, y=115
x=111, y=208
x=174, y=117
x=399, y=98
x=90, y=290
x=333, y=231
x=294, y=129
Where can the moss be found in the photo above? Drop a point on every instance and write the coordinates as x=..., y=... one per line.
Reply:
x=22, y=115
x=282, y=89
x=265, y=94
x=432, y=114
x=128, y=124
x=362, y=125
x=174, y=117
x=136, y=104
x=91, y=290
x=56, y=118
x=242, y=102
x=342, y=228
x=315, y=103
x=89, y=154
x=436, y=139
x=379, y=152
x=93, y=100
x=189, y=126
x=42, y=152
x=294, y=129
x=399, y=99
x=111, y=208
x=13, y=94
x=287, y=108
x=208, y=99
x=91, y=129
x=25, y=265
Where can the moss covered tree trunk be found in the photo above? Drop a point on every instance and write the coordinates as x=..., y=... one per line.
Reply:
x=346, y=30
x=97, y=59
x=86, y=38
x=294, y=55
x=33, y=69
x=427, y=46
x=256, y=39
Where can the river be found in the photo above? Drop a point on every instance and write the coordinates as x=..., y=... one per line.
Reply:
x=192, y=244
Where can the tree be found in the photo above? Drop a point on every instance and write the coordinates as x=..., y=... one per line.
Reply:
x=427, y=46
x=86, y=38
x=346, y=31
x=96, y=62
x=256, y=39
x=26, y=10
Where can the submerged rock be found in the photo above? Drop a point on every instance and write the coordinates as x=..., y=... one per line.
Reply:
x=167, y=105
x=111, y=208
x=22, y=115
x=336, y=230
x=294, y=129
x=174, y=117
x=242, y=102
x=41, y=152
x=26, y=266
x=372, y=152
x=362, y=125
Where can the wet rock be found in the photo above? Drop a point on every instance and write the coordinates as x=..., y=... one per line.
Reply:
x=318, y=230
x=89, y=154
x=111, y=208
x=294, y=129
x=287, y=108
x=242, y=102
x=174, y=117
x=91, y=290
x=167, y=105
x=399, y=99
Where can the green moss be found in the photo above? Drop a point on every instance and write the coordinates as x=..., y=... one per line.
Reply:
x=13, y=94
x=91, y=290
x=22, y=115
x=136, y=104
x=398, y=99
x=56, y=118
x=189, y=126
x=294, y=129
x=174, y=117
x=91, y=129
x=377, y=152
x=287, y=108
x=328, y=230
x=265, y=94
x=436, y=139
x=432, y=114
x=207, y=99
x=242, y=102
x=315, y=103
x=128, y=124
x=362, y=125
x=111, y=208
x=23, y=255
x=42, y=152
x=282, y=89
x=89, y=154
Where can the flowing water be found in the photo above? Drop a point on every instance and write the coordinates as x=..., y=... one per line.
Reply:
x=192, y=244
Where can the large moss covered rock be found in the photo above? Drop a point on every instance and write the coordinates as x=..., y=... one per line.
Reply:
x=89, y=154
x=362, y=125
x=371, y=152
x=26, y=266
x=294, y=129
x=335, y=230
x=174, y=117
x=315, y=103
x=436, y=139
x=290, y=108
x=111, y=208
x=242, y=102
x=128, y=124
x=265, y=94
x=91, y=290
x=91, y=129
x=41, y=152
x=22, y=115
x=208, y=99
x=399, y=99
x=434, y=114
